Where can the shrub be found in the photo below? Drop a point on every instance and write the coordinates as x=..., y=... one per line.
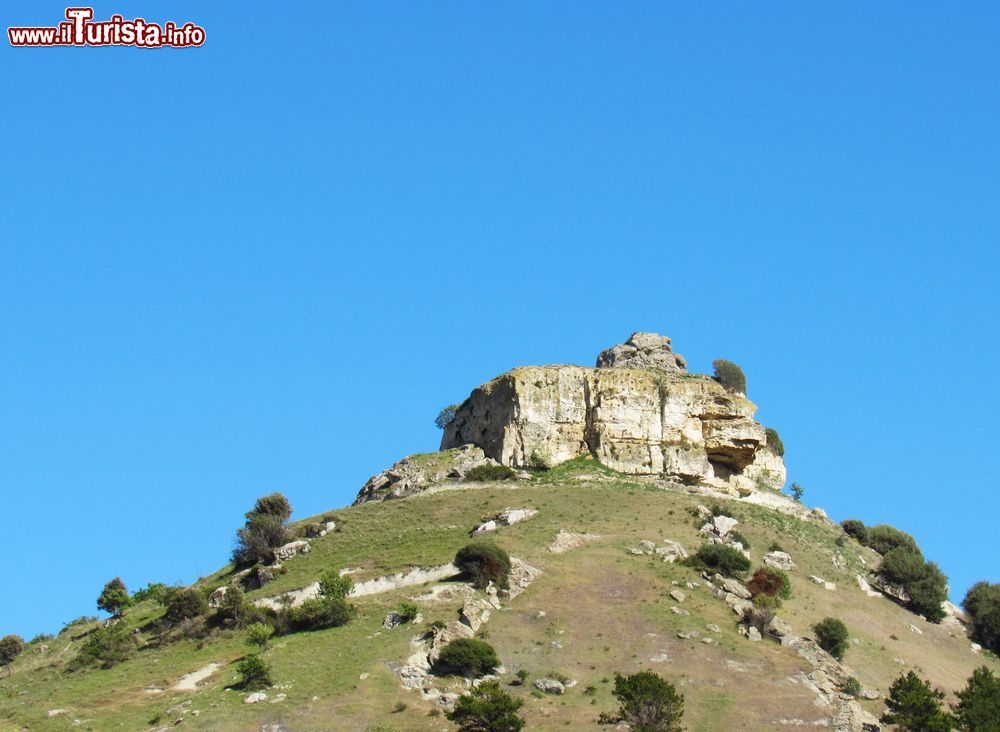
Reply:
x=489, y=472
x=234, y=608
x=106, y=646
x=738, y=536
x=186, y=603
x=446, y=416
x=922, y=581
x=487, y=708
x=11, y=646
x=797, y=491
x=319, y=613
x=114, y=597
x=649, y=703
x=469, y=657
x=913, y=705
x=259, y=634
x=832, y=637
x=774, y=443
x=770, y=582
x=254, y=673
x=407, y=611
x=982, y=602
x=335, y=586
x=979, y=702
x=884, y=538
x=155, y=591
x=851, y=686
x=483, y=563
x=725, y=560
x=857, y=529
x=265, y=530
x=730, y=376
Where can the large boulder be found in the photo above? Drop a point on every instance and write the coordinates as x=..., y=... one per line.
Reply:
x=417, y=472
x=643, y=420
x=643, y=351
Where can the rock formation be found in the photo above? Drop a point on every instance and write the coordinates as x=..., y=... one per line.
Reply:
x=639, y=412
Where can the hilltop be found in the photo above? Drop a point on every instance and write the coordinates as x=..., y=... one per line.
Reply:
x=600, y=483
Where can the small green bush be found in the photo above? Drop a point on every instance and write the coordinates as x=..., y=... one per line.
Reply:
x=106, y=646
x=488, y=472
x=725, y=560
x=770, y=583
x=483, y=562
x=185, y=604
x=469, y=657
x=114, y=597
x=259, y=634
x=649, y=703
x=851, y=686
x=335, y=586
x=319, y=613
x=774, y=443
x=856, y=529
x=730, y=376
x=407, y=611
x=487, y=708
x=982, y=602
x=11, y=646
x=832, y=637
x=265, y=530
x=155, y=591
x=255, y=673
x=446, y=416
x=274, y=504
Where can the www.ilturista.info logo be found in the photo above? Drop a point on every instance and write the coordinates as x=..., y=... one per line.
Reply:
x=79, y=29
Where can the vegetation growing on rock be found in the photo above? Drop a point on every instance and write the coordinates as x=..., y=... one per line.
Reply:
x=725, y=560
x=483, y=563
x=469, y=657
x=774, y=443
x=445, y=416
x=487, y=708
x=490, y=472
x=265, y=530
x=730, y=376
x=832, y=637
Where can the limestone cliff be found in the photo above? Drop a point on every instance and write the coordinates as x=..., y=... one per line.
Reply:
x=636, y=417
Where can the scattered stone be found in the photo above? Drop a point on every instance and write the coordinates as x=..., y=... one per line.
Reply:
x=703, y=512
x=217, y=597
x=647, y=546
x=723, y=525
x=566, y=540
x=678, y=595
x=779, y=627
x=363, y=676
x=976, y=648
x=660, y=658
x=712, y=627
x=291, y=549
x=635, y=550
x=734, y=586
x=55, y=712
x=679, y=611
x=550, y=686
x=671, y=551
x=753, y=634
x=416, y=473
x=869, y=694
x=279, y=698
x=507, y=517
x=779, y=560
x=866, y=588
x=739, y=606
x=914, y=629
x=686, y=634
x=257, y=578
x=392, y=620
x=257, y=696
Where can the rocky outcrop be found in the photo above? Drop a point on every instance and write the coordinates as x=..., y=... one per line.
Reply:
x=417, y=472
x=642, y=419
x=507, y=517
x=643, y=351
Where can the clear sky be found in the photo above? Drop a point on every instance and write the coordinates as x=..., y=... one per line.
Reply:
x=266, y=263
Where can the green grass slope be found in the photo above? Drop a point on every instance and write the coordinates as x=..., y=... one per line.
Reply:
x=595, y=610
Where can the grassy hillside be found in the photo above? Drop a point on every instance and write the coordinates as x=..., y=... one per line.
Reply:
x=593, y=611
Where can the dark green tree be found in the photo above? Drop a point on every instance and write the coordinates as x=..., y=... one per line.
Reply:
x=487, y=708
x=649, y=703
x=186, y=603
x=254, y=673
x=114, y=597
x=265, y=530
x=446, y=416
x=832, y=637
x=469, y=656
x=797, y=491
x=483, y=562
x=978, y=709
x=774, y=443
x=914, y=706
x=730, y=376
x=11, y=646
x=982, y=602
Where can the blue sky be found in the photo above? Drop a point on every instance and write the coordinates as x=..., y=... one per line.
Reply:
x=266, y=263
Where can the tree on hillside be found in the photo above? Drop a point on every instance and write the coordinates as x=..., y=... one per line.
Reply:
x=730, y=376
x=982, y=602
x=114, y=598
x=11, y=646
x=923, y=581
x=978, y=709
x=914, y=706
x=832, y=637
x=487, y=708
x=265, y=530
x=649, y=703
x=446, y=416
x=797, y=491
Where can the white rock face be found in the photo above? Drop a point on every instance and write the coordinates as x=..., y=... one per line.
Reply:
x=291, y=549
x=671, y=551
x=635, y=419
x=779, y=560
x=414, y=473
x=507, y=517
x=723, y=525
